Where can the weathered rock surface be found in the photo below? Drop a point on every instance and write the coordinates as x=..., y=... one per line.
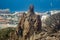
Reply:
x=29, y=28
x=29, y=24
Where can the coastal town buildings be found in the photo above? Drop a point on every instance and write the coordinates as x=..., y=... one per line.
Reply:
x=8, y=19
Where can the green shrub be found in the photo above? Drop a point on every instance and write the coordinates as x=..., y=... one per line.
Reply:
x=4, y=33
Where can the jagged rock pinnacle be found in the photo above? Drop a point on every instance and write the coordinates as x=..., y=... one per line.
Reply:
x=31, y=8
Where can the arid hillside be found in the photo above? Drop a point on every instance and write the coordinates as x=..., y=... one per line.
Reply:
x=30, y=28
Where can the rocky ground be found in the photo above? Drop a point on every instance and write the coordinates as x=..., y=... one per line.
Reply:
x=47, y=36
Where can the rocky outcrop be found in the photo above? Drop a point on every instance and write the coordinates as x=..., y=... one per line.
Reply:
x=29, y=24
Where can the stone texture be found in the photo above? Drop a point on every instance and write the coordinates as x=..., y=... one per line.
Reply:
x=29, y=24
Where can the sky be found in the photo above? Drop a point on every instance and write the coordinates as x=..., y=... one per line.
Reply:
x=23, y=5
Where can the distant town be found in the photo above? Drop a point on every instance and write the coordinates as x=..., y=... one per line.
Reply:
x=8, y=19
